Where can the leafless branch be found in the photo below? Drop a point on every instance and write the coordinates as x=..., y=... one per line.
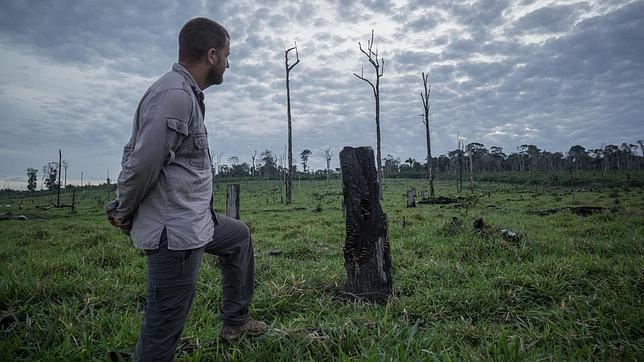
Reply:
x=366, y=80
x=297, y=57
x=376, y=62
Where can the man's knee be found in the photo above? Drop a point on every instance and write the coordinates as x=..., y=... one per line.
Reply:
x=244, y=231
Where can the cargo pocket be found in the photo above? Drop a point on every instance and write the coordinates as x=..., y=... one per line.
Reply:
x=178, y=126
x=173, y=139
x=199, y=157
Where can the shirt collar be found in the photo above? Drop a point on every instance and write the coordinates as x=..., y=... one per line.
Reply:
x=176, y=67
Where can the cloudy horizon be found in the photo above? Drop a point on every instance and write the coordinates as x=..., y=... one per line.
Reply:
x=503, y=73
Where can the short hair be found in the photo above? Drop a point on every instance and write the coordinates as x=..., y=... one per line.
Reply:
x=197, y=37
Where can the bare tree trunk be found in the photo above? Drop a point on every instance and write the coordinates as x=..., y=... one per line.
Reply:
x=65, y=166
x=460, y=165
x=379, y=66
x=327, y=155
x=60, y=159
x=471, y=174
x=253, y=170
x=425, y=98
x=380, y=179
x=366, y=250
x=289, y=181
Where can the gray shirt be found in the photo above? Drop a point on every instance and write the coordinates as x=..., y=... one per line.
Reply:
x=166, y=179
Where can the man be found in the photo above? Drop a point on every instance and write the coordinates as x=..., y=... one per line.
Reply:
x=165, y=197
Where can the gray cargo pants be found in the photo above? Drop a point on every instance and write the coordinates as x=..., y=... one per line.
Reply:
x=172, y=277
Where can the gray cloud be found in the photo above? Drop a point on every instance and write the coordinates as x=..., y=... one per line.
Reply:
x=72, y=74
x=550, y=19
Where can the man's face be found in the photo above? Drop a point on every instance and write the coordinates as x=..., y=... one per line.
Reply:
x=219, y=65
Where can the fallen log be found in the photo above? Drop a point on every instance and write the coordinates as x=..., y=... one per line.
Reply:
x=10, y=216
x=439, y=200
x=577, y=210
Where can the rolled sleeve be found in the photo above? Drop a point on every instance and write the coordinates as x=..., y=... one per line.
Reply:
x=161, y=127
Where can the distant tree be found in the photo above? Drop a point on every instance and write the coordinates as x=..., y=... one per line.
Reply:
x=327, y=155
x=498, y=157
x=392, y=165
x=461, y=148
x=627, y=151
x=52, y=174
x=444, y=163
x=65, y=165
x=611, y=157
x=235, y=170
x=45, y=168
x=304, y=156
x=530, y=153
x=473, y=151
x=234, y=160
x=476, y=150
x=32, y=179
x=253, y=169
x=269, y=166
x=578, y=156
x=240, y=170
x=378, y=66
x=216, y=163
x=289, y=179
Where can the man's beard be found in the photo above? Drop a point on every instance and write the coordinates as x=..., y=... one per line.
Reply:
x=214, y=78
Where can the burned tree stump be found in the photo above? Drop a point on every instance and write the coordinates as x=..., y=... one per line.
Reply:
x=232, y=201
x=366, y=249
x=411, y=197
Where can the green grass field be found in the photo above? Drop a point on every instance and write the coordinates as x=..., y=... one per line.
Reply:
x=72, y=287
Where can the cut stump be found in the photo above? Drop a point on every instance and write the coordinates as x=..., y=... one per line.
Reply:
x=411, y=197
x=232, y=201
x=366, y=249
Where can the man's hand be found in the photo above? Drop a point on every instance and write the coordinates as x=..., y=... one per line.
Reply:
x=115, y=222
x=125, y=227
x=124, y=224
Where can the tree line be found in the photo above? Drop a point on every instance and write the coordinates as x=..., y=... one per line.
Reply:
x=526, y=158
x=266, y=165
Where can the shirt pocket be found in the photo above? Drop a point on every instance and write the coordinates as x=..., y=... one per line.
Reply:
x=199, y=158
x=177, y=126
x=177, y=131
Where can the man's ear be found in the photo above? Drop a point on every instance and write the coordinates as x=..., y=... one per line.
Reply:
x=212, y=56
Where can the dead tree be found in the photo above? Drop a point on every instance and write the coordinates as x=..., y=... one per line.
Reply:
x=60, y=157
x=289, y=181
x=471, y=173
x=425, y=98
x=460, y=163
x=366, y=250
x=232, y=201
x=327, y=154
x=216, y=161
x=66, y=165
x=379, y=66
x=252, y=170
x=44, y=172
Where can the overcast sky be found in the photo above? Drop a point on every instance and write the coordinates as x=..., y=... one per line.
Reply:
x=504, y=73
